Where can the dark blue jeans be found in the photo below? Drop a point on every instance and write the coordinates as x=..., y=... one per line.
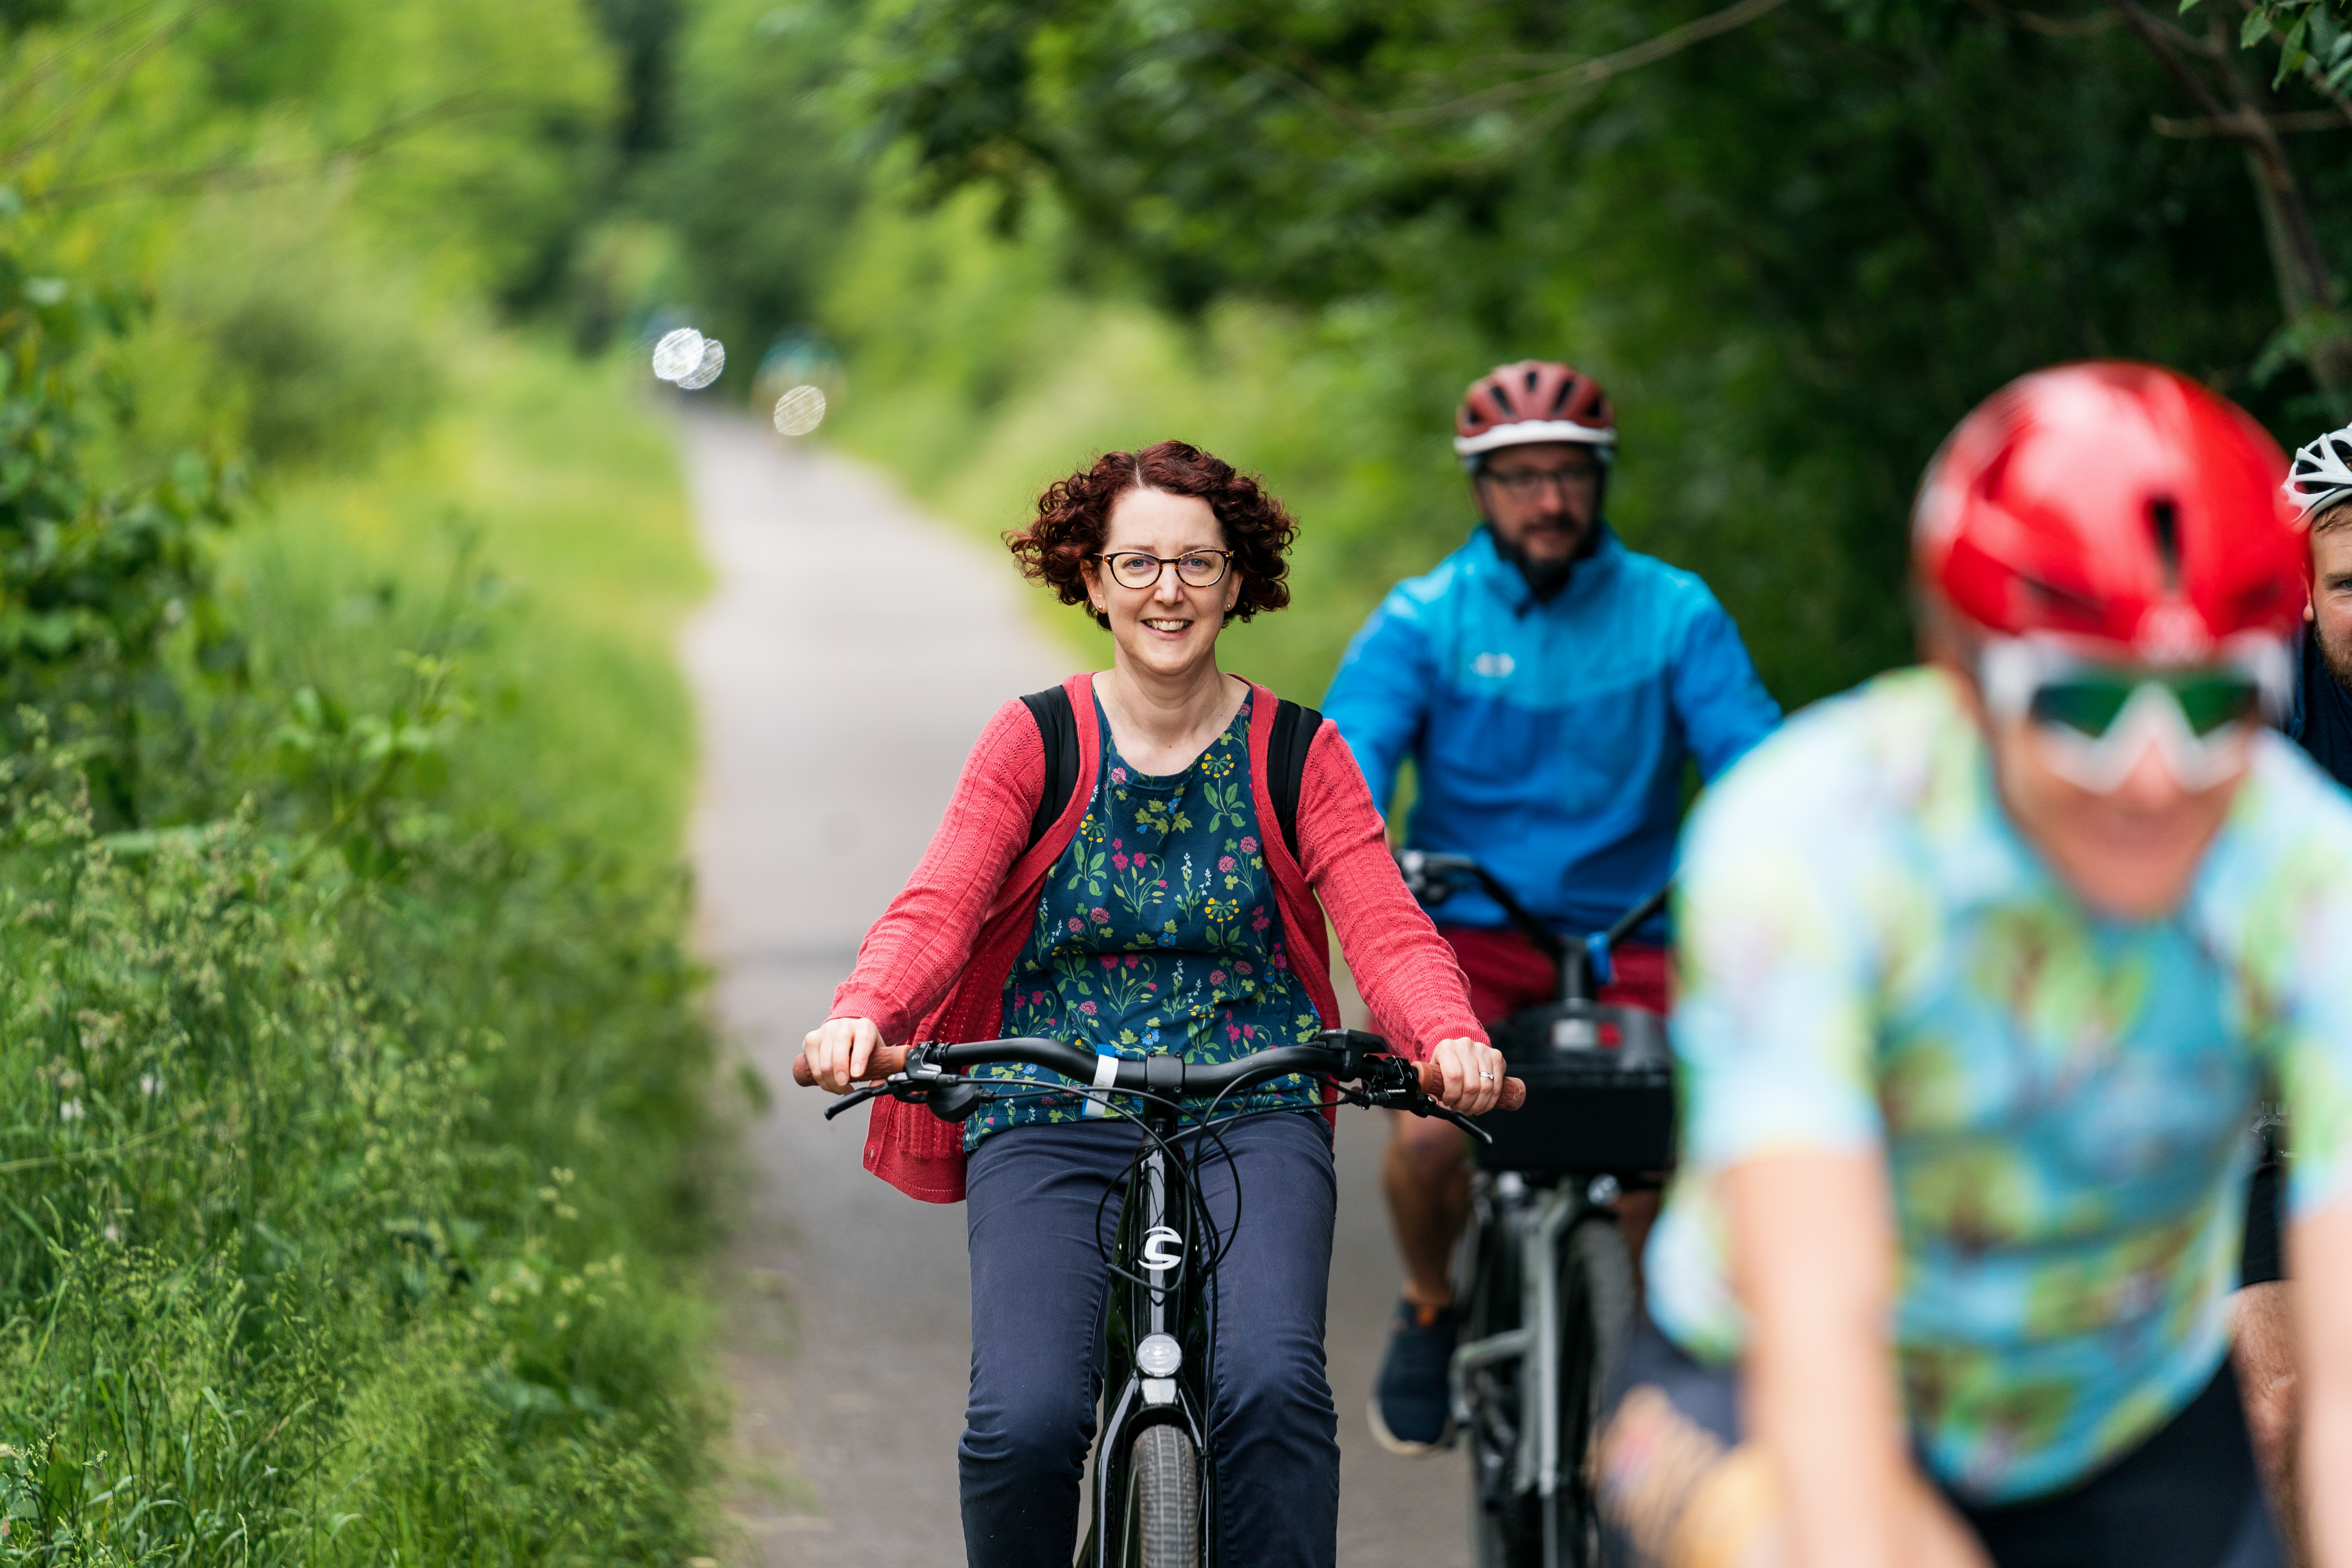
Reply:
x=1034, y=1198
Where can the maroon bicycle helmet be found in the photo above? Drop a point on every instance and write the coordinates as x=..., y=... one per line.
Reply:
x=1533, y=401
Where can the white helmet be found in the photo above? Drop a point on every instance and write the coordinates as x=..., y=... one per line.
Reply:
x=2322, y=474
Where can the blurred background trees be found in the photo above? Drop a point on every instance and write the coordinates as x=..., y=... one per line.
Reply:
x=1796, y=239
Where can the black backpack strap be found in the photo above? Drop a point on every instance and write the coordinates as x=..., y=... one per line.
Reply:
x=1057, y=726
x=1295, y=728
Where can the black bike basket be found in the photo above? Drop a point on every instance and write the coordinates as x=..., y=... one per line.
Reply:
x=1592, y=1108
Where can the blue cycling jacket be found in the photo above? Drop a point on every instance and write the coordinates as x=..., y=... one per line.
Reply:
x=1549, y=739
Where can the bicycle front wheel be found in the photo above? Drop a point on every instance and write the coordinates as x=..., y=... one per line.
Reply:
x=1597, y=1306
x=1167, y=1480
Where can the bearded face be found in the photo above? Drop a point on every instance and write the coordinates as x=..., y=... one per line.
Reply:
x=2331, y=590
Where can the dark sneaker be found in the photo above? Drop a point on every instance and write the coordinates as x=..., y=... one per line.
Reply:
x=1413, y=1409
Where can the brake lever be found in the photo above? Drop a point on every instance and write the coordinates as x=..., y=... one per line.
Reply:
x=1422, y=1105
x=1401, y=1099
x=856, y=1097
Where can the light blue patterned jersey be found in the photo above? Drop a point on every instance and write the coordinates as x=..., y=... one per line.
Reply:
x=1873, y=960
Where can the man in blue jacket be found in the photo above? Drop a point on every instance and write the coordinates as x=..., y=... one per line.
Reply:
x=1549, y=684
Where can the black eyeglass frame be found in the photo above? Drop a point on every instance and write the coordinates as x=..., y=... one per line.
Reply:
x=1161, y=565
x=1527, y=483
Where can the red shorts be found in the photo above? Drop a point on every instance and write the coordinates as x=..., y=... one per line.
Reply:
x=1507, y=971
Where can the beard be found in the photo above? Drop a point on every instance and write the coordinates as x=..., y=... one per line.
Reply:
x=1548, y=579
x=2336, y=654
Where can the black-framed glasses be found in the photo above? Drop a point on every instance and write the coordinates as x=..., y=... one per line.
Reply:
x=1141, y=569
x=1525, y=483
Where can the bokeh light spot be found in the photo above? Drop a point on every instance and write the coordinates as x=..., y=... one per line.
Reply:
x=706, y=370
x=800, y=411
x=678, y=354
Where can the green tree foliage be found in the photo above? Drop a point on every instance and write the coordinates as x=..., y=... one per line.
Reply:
x=94, y=576
x=1797, y=248
x=1796, y=238
x=761, y=184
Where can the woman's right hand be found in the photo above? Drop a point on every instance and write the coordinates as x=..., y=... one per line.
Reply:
x=836, y=1051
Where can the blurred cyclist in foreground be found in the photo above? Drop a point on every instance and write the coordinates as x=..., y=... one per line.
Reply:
x=1549, y=686
x=1983, y=967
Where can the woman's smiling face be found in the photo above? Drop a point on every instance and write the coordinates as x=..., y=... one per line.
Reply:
x=1168, y=629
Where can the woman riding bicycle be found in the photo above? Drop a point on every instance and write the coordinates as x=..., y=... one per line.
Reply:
x=1162, y=911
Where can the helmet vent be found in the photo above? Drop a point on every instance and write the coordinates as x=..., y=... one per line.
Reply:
x=2164, y=524
x=2062, y=604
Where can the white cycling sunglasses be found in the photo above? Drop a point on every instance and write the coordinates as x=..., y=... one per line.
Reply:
x=2100, y=719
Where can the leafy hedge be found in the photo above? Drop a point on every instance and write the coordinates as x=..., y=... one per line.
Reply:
x=349, y=1132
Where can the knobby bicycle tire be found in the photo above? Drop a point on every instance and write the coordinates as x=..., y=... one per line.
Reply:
x=1166, y=1481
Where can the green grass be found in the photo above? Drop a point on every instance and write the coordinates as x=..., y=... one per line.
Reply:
x=352, y=1138
x=549, y=497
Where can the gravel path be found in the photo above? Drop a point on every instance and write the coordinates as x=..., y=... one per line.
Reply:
x=852, y=652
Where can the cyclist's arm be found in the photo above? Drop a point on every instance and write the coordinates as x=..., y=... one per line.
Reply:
x=2319, y=1252
x=1408, y=976
x=1812, y=1249
x=2297, y=936
x=2320, y=1263
x=916, y=950
x=1719, y=697
x=1782, y=1137
x=1380, y=699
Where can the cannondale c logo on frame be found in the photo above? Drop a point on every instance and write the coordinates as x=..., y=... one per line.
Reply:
x=1162, y=1249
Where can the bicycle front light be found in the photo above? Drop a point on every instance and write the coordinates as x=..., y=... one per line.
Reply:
x=1158, y=1355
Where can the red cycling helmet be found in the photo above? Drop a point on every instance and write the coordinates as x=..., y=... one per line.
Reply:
x=2116, y=506
x=1534, y=400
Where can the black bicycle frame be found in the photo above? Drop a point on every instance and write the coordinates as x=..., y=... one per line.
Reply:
x=1156, y=1287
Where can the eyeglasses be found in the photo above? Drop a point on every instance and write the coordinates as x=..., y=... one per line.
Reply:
x=1522, y=484
x=1194, y=568
x=2101, y=718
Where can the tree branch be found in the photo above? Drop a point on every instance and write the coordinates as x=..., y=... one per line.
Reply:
x=251, y=177
x=1582, y=75
x=2243, y=128
x=111, y=74
x=1592, y=73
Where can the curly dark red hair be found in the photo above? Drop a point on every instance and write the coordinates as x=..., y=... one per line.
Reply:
x=1074, y=519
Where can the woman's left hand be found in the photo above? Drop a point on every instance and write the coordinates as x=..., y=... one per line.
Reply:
x=1473, y=1076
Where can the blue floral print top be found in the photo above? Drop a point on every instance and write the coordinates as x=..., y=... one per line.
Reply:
x=1156, y=932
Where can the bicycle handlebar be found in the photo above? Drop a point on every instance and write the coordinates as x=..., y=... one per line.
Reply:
x=1170, y=1076
x=1432, y=876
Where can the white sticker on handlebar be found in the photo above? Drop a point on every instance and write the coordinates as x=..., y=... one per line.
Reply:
x=1105, y=1071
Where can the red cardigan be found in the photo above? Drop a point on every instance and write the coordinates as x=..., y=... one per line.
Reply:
x=934, y=966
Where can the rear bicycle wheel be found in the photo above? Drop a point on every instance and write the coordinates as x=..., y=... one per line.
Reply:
x=1597, y=1303
x=1167, y=1480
